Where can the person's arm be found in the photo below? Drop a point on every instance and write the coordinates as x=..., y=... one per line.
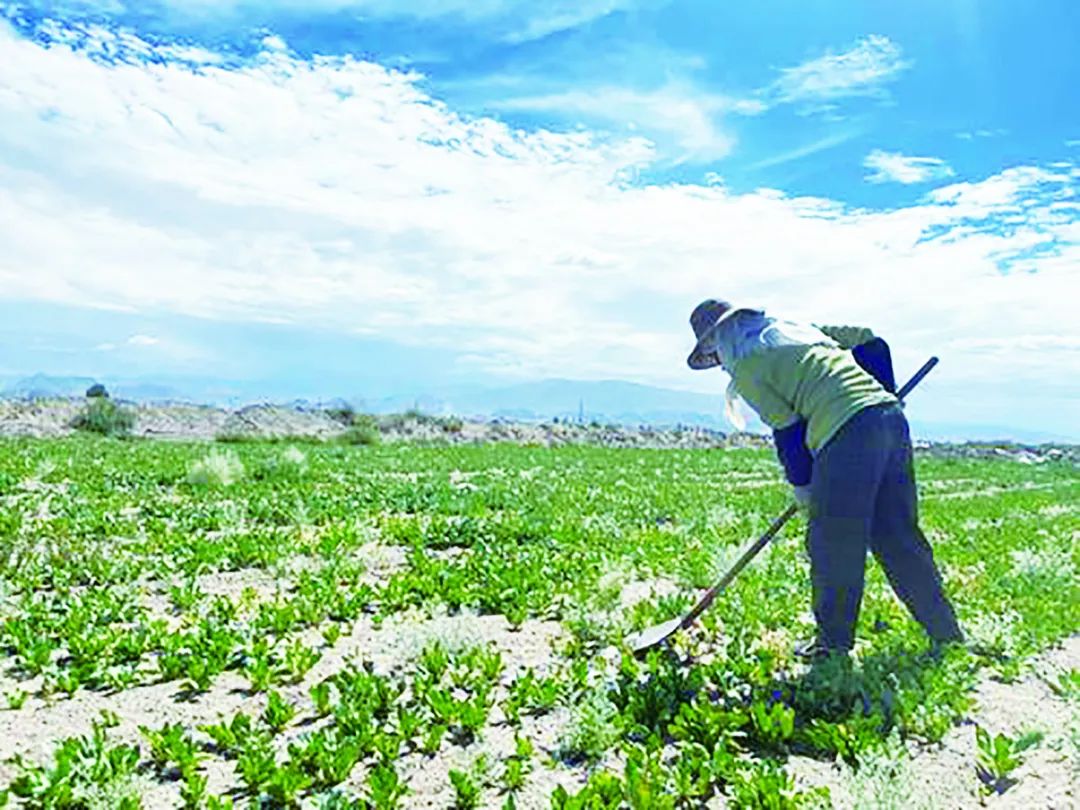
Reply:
x=793, y=453
x=870, y=351
x=788, y=427
x=848, y=336
x=874, y=356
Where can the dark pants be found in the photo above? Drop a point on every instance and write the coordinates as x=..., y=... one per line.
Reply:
x=863, y=496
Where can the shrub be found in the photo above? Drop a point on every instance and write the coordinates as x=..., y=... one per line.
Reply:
x=104, y=416
x=593, y=729
x=364, y=430
x=344, y=413
x=290, y=465
x=216, y=469
x=97, y=390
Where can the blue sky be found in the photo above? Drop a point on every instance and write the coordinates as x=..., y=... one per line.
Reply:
x=457, y=190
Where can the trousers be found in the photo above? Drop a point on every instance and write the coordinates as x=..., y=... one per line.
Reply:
x=863, y=496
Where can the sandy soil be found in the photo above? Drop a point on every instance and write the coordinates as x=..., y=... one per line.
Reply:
x=943, y=776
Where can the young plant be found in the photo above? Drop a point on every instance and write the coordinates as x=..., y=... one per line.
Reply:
x=171, y=744
x=278, y=713
x=999, y=756
x=775, y=724
x=466, y=790
x=320, y=697
x=256, y=763
x=82, y=767
x=229, y=737
x=519, y=764
x=299, y=659
x=259, y=666
x=385, y=788
x=193, y=790
x=331, y=633
x=593, y=729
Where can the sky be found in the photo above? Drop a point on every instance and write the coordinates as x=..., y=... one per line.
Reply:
x=403, y=195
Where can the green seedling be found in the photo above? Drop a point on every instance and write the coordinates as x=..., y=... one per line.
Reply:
x=284, y=787
x=299, y=659
x=331, y=633
x=193, y=791
x=998, y=756
x=186, y=596
x=81, y=766
x=256, y=763
x=172, y=745
x=278, y=713
x=1067, y=684
x=229, y=737
x=518, y=766
x=320, y=697
x=774, y=724
x=384, y=787
x=466, y=790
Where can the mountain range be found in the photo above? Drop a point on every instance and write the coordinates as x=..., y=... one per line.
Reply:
x=605, y=401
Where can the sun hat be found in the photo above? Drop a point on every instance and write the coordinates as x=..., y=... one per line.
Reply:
x=704, y=320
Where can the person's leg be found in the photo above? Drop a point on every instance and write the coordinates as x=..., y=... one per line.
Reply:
x=843, y=491
x=900, y=546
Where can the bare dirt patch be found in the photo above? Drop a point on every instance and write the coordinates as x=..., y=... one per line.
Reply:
x=34, y=730
x=944, y=775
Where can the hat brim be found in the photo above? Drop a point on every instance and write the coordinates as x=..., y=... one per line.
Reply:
x=699, y=358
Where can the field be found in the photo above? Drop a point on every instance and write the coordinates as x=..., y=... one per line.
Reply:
x=319, y=625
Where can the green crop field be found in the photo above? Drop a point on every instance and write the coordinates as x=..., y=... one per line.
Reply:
x=333, y=626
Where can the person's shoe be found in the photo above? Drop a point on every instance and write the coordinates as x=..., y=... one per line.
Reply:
x=813, y=649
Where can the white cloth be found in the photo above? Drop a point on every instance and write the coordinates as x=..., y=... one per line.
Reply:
x=750, y=331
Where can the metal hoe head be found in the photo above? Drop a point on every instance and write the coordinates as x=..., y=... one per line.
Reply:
x=653, y=636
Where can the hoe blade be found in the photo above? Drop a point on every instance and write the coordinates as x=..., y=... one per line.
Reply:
x=653, y=636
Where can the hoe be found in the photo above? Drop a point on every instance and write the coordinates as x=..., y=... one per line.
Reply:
x=658, y=634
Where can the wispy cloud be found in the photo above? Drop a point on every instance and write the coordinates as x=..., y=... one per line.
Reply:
x=143, y=340
x=338, y=194
x=862, y=70
x=893, y=167
x=678, y=116
x=513, y=21
x=1039, y=342
x=812, y=148
x=981, y=133
x=695, y=123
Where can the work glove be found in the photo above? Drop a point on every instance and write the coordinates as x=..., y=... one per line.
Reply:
x=802, y=496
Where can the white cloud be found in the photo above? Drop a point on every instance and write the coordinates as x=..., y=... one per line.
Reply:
x=981, y=133
x=143, y=340
x=689, y=121
x=1022, y=342
x=679, y=117
x=858, y=71
x=820, y=145
x=893, y=167
x=337, y=194
x=515, y=21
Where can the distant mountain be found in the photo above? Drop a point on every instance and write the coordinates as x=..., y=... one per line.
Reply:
x=961, y=432
x=40, y=386
x=604, y=401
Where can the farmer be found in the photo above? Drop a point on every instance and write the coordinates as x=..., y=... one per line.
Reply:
x=828, y=394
